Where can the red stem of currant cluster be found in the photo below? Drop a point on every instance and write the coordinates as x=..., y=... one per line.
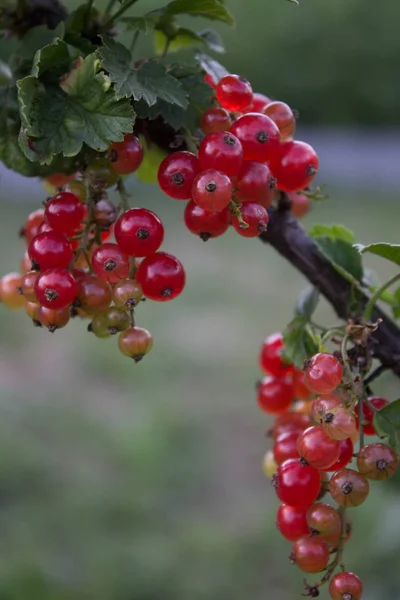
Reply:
x=289, y=238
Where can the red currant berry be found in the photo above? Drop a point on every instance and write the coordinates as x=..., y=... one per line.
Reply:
x=275, y=394
x=215, y=119
x=377, y=461
x=255, y=183
x=301, y=204
x=260, y=102
x=45, y=227
x=301, y=391
x=57, y=180
x=31, y=227
x=296, y=484
x=10, y=285
x=339, y=423
x=324, y=521
x=291, y=522
x=255, y=216
x=139, y=232
x=317, y=449
x=259, y=136
x=32, y=309
x=290, y=421
x=28, y=285
x=234, y=93
x=64, y=212
x=345, y=586
x=285, y=446
x=53, y=319
x=49, y=250
x=161, y=276
x=135, y=342
x=26, y=263
x=104, y=213
x=221, y=151
x=212, y=190
x=176, y=174
x=323, y=373
x=93, y=295
x=348, y=488
x=345, y=456
x=311, y=555
x=283, y=116
x=294, y=165
x=110, y=263
x=271, y=360
x=126, y=156
x=56, y=288
x=206, y=224
x=127, y=293
x=322, y=405
x=369, y=414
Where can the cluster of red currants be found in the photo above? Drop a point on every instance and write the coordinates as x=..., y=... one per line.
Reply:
x=313, y=435
x=247, y=153
x=71, y=269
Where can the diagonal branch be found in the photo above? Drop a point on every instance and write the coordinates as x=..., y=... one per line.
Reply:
x=288, y=237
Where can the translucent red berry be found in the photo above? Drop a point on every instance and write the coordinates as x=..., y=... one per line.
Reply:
x=93, y=295
x=31, y=227
x=209, y=79
x=271, y=360
x=259, y=103
x=345, y=456
x=275, y=394
x=221, y=151
x=285, y=446
x=176, y=174
x=322, y=405
x=255, y=183
x=339, y=423
x=291, y=522
x=56, y=288
x=259, y=136
x=126, y=156
x=301, y=204
x=368, y=413
x=377, y=461
x=294, y=165
x=310, y=554
x=296, y=484
x=53, y=318
x=290, y=421
x=323, y=520
x=348, y=487
x=10, y=291
x=234, y=93
x=64, y=212
x=317, y=449
x=135, y=342
x=283, y=116
x=110, y=262
x=48, y=250
x=139, y=232
x=204, y=223
x=323, y=373
x=27, y=288
x=127, y=293
x=161, y=276
x=345, y=586
x=301, y=391
x=215, y=119
x=212, y=190
x=256, y=218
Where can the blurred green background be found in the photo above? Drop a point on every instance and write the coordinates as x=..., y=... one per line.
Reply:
x=144, y=482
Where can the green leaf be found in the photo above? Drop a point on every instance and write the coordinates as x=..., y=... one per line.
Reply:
x=343, y=256
x=387, y=424
x=183, y=38
x=389, y=251
x=149, y=81
x=76, y=23
x=144, y=24
x=211, y=66
x=334, y=231
x=307, y=302
x=59, y=119
x=36, y=38
x=54, y=57
x=6, y=76
x=210, y=9
x=299, y=342
x=213, y=40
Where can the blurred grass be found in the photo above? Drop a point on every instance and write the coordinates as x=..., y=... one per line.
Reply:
x=140, y=481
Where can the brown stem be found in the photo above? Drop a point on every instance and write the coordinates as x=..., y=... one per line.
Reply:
x=288, y=237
